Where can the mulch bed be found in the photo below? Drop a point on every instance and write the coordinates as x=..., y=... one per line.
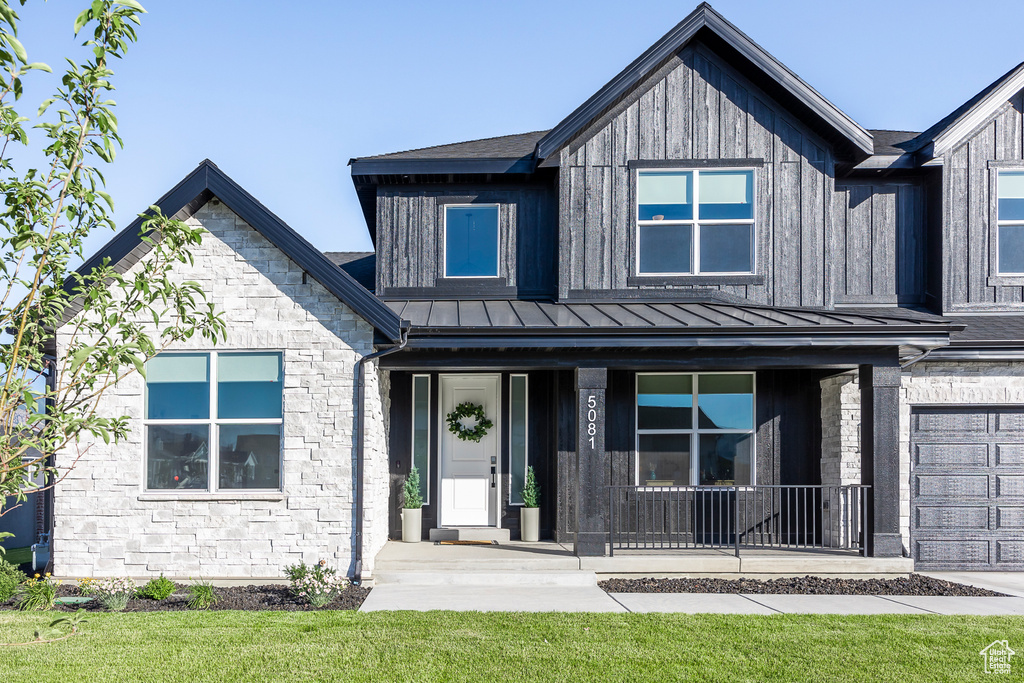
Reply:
x=248, y=598
x=915, y=584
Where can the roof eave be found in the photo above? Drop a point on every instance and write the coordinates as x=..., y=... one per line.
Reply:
x=606, y=339
x=379, y=167
x=937, y=144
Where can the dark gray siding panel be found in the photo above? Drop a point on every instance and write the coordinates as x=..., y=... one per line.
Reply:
x=697, y=107
x=879, y=242
x=410, y=223
x=970, y=281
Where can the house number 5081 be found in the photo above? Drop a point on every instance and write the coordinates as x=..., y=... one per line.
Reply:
x=592, y=419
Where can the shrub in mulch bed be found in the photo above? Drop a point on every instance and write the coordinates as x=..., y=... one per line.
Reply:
x=274, y=597
x=915, y=584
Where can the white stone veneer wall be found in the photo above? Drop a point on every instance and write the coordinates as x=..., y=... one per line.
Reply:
x=924, y=383
x=840, y=437
x=107, y=525
x=840, y=429
x=375, y=466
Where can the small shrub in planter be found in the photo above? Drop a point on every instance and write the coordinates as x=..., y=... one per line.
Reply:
x=157, y=589
x=412, y=513
x=202, y=595
x=318, y=585
x=38, y=593
x=114, y=593
x=529, y=515
x=10, y=578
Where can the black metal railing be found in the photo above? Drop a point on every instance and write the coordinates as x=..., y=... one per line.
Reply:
x=735, y=517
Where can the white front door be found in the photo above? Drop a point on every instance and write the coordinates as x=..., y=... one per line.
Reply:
x=469, y=468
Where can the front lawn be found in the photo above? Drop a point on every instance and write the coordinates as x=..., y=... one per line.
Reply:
x=406, y=646
x=18, y=556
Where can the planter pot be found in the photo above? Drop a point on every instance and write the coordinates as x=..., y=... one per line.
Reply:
x=412, y=526
x=529, y=524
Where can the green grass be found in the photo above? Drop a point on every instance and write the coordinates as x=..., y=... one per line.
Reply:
x=406, y=646
x=18, y=556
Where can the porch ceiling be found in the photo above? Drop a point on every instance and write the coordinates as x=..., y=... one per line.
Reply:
x=550, y=324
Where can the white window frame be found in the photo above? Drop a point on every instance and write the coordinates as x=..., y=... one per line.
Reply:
x=497, y=250
x=1000, y=223
x=424, y=476
x=694, y=431
x=696, y=222
x=213, y=423
x=526, y=440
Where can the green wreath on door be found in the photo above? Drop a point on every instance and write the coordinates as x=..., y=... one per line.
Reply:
x=464, y=410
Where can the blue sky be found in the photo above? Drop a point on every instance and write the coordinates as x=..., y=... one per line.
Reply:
x=281, y=95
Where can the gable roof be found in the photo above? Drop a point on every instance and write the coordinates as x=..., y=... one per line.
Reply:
x=206, y=182
x=960, y=122
x=704, y=18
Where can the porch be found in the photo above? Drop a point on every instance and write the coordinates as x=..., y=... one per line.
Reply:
x=746, y=471
x=720, y=427
x=555, y=564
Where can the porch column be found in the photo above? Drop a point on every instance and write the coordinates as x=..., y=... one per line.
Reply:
x=591, y=462
x=880, y=459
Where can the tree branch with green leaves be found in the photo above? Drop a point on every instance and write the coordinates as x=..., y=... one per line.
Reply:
x=108, y=320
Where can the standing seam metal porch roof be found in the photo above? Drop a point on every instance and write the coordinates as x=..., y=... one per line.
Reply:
x=544, y=317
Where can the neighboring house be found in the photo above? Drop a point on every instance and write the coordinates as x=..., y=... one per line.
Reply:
x=704, y=279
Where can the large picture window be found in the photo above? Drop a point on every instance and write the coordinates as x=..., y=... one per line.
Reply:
x=1011, y=223
x=694, y=429
x=695, y=222
x=471, y=240
x=231, y=399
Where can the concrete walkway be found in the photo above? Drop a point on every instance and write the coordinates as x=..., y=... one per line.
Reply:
x=1008, y=583
x=593, y=599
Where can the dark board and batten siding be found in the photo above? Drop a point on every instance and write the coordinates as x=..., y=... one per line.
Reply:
x=879, y=242
x=410, y=240
x=697, y=107
x=970, y=281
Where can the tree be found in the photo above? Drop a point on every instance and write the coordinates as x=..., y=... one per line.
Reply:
x=48, y=399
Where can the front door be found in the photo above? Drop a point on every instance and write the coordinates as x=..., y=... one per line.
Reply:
x=469, y=469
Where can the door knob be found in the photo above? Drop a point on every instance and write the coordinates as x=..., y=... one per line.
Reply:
x=494, y=477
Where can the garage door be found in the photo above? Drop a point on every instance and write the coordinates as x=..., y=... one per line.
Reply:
x=967, y=487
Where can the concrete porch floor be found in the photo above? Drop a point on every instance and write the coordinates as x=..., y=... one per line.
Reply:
x=552, y=563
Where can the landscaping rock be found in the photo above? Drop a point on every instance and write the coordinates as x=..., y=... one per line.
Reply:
x=274, y=597
x=915, y=584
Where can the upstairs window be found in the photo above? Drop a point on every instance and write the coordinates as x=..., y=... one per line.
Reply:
x=695, y=222
x=213, y=421
x=471, y=240
x=1011, y=223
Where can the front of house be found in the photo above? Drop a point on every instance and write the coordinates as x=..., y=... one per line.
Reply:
x=707, y=308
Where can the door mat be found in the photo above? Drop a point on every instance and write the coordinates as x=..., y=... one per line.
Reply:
x=465, y=543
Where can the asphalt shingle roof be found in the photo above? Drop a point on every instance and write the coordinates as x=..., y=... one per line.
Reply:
x=892, y=141
x=502, y=147
x=361, y=265
x=988, y=330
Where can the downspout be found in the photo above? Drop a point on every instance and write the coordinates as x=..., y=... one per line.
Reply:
x=918, y=358
x=360, y=444
x=49, y=502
